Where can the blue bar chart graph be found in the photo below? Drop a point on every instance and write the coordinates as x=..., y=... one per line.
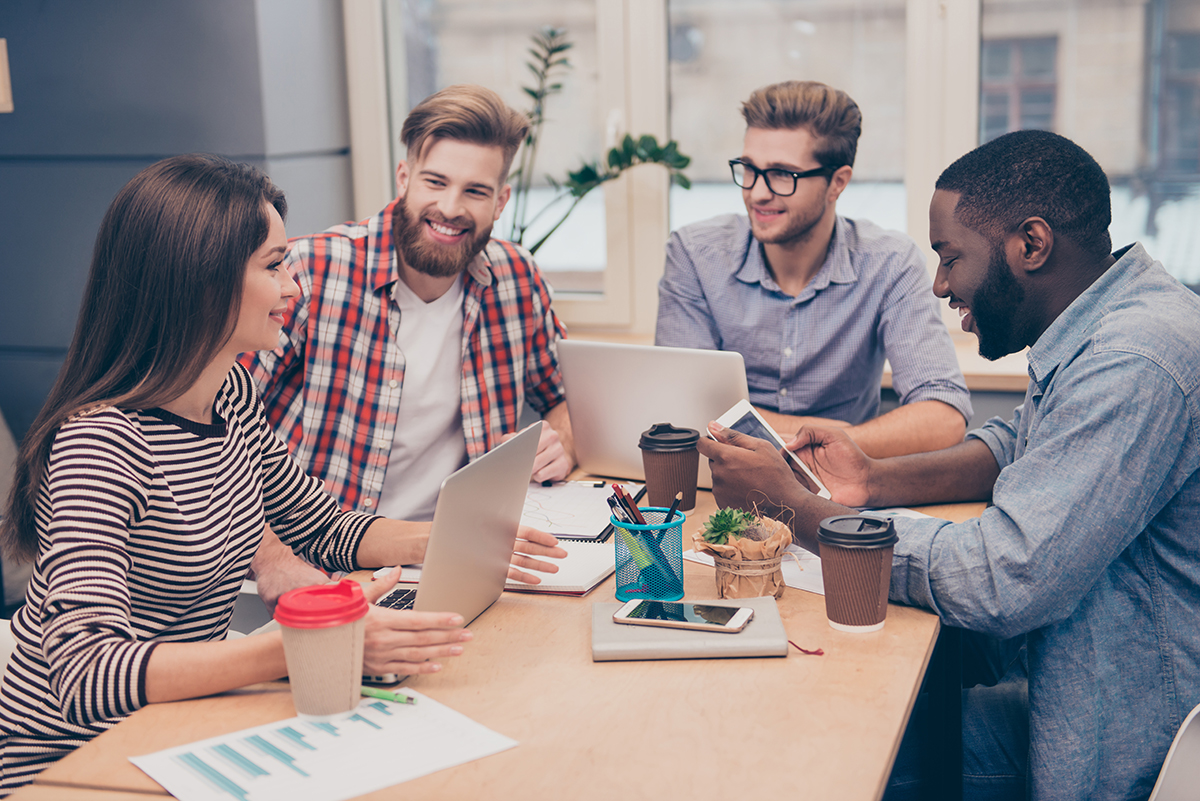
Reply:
x=387, y=743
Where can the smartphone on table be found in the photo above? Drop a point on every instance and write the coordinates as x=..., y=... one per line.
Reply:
x=700, y=617
x=745, y=419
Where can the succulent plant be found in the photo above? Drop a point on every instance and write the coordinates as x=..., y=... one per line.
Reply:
x=726, y=523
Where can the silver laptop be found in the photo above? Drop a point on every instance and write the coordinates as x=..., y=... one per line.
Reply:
x=615, y=392
x=474, y=530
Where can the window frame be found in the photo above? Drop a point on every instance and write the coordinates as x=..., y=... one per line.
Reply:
x=941, y=123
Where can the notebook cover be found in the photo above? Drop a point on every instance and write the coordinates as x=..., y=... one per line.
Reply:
x=764, y=635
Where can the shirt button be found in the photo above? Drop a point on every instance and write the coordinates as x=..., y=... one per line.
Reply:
x=783, y=391
x=787, y=351
x=368, y=503
x=393, y=384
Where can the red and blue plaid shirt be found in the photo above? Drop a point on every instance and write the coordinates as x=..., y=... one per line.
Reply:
x=332, y=387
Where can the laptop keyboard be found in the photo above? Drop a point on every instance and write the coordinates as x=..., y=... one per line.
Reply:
x=398, y=599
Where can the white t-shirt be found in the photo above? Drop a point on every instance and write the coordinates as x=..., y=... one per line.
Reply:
x=429, y=443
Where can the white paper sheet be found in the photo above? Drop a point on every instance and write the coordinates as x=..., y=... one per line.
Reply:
x=379, y=744
x=575, y=509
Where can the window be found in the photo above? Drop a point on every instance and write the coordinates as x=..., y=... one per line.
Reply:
x=1181, y=106
x=857, y=47
x=1017, y=86
x=911, y=65
x=1123, y=80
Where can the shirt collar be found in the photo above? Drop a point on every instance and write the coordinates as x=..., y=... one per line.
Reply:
x=836, y=269
x=1079, y=320
x=383, y=260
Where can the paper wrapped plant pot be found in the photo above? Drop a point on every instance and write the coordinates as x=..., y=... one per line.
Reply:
x=749, y=561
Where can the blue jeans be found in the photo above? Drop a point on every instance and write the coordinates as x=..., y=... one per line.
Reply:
x=995, y=729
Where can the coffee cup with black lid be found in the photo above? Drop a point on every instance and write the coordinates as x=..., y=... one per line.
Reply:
x=672, y=463
x=856, y=562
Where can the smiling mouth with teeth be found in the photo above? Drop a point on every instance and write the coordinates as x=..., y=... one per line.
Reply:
x=445, y=230
x=965, y=318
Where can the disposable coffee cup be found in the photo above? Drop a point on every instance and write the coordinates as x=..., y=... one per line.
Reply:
x=323, y=645
x=856, y=562
x=672, y=463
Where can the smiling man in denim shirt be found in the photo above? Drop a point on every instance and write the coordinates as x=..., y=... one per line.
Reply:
x=1090, y=545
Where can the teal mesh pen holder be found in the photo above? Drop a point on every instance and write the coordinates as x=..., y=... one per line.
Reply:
x=650, y=557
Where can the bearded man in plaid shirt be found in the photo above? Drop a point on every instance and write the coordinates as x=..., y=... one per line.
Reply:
x=417, y=339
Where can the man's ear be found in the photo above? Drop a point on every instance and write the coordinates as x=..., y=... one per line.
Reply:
x=402, y=178
x=502, y=199
x=1029, y=248
x=838, y=182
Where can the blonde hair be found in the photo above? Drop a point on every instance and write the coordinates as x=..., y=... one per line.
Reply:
x=465, y=113
x=829, y=114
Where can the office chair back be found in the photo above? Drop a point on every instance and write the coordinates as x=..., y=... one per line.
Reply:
x=1180, y=774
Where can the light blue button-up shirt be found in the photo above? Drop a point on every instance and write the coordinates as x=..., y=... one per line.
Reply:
x=821, y=352
x=1092, y=544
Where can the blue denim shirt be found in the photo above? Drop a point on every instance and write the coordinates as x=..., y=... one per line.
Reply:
x=1092, y=544
x=821, y=352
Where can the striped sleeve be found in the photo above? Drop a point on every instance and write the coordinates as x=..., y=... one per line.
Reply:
x=301, y=512
x=95, y=486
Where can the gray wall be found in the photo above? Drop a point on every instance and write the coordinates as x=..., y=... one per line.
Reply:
x=102, y=89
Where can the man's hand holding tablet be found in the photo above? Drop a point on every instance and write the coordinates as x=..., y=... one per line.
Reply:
x=745, y=419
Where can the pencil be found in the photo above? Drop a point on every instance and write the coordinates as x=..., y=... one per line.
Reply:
x=674, y=506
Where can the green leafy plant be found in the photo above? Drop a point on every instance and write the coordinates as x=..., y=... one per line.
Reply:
x=726, y=523
x=548, y=65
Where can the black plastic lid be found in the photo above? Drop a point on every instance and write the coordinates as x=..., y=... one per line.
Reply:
x=666, y=437
x=857, y=531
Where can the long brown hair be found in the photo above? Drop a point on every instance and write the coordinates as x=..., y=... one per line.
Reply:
x=162, y=298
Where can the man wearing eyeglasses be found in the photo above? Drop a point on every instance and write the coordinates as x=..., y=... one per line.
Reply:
x=813, y=301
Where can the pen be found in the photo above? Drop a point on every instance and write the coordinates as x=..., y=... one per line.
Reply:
x=674, y=505
x=618, y=510
x=388, y=695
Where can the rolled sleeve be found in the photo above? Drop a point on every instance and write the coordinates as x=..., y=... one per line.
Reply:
x=1065, y=505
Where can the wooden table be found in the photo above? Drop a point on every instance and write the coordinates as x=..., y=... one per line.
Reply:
x=815, y=726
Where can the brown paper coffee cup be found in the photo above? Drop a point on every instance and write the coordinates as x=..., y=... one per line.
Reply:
x=671, y=463
x=323, y=645
x=856, y=562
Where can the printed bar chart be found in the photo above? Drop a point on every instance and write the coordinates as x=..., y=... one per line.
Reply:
x=388, y=743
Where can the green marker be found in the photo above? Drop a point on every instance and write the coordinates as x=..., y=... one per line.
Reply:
x=388, y=695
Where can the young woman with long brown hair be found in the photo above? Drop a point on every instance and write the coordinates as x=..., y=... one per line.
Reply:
x=144, y=486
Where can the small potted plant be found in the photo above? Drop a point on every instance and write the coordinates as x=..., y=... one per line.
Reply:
x=747, y=550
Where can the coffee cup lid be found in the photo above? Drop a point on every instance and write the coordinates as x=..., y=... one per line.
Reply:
x=666, y=437
x=323, y=606
x=857, y=531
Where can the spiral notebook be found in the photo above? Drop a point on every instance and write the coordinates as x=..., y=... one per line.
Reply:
x=585, y=566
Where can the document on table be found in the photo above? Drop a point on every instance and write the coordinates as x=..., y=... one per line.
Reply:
x=573, y=510
x=802, y=569
x=375, y=746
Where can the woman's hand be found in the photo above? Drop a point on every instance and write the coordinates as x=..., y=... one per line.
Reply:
x=407, y=642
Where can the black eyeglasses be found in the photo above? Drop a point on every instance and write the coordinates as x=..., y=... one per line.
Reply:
x=777, y=180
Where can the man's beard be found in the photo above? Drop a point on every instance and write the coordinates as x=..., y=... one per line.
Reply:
x=433, y=258
x=800, y=226
x=994, y=308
